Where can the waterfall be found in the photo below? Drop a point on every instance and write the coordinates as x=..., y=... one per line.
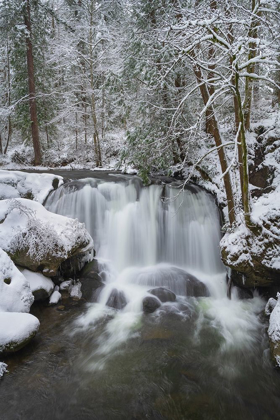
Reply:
x=142, y=228
x=146, y=239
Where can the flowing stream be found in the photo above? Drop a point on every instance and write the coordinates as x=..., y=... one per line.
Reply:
x=198, y=356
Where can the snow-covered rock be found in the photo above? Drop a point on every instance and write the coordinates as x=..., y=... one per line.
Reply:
x=65, y=285
x=40, y=285
x=3, y=368
x=16, y=184
x=270, y=305
x=15, y=292
x=55, y=297
x=274, y=332
x=38, y=239
x=253, y=253
x=75, y=290
x=16, y=330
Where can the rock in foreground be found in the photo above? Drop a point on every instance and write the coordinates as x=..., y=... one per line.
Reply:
x=15, y=292
x=274, y=332
x=38, y=239
x=16, y=330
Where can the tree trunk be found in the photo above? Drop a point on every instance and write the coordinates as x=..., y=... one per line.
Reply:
x=31, y=86
x=245, y=181
x=218, y=141
x=97, y=151
x=253, y=32
x=9, y=99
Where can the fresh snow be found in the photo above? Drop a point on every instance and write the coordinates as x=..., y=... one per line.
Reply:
x=17, y=184
x=55, y=297
x=75, y=290
x=16, y=327
x=38, y=281
x=3, y=368
x=52, y=231
x=16, y=296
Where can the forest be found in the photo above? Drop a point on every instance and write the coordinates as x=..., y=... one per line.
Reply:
x=155, y=125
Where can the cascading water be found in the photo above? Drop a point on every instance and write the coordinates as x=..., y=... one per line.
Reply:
x=147, y=238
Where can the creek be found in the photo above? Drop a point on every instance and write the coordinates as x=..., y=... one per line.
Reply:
x=198, y=357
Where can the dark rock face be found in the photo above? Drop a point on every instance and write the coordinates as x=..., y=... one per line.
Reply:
x=163, y=294
x=195, y=287
x=91, y=281
x=150, y=304
x=117, y=299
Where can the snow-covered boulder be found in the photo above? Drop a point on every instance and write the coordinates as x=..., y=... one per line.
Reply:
x=3, y=368
x=274, y=332
x=55, y=297
x=254, y=253
x=41, y=286
x=16, y=184
x=15, y=292
x=16, y=330
x=38, y=239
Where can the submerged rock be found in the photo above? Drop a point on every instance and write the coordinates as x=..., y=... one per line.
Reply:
x=117, y=299
x=16, y=330
x=38, y=239
x=175, y=279
x=163, y=294
x=151, y=304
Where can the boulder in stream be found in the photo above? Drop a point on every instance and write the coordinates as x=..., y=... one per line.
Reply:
x=163, y=294
x=151, y=304
x=117, y=299
x=39, y=240
x=177, y=280
x=16, y=330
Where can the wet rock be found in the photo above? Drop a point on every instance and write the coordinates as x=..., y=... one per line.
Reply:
x=163, y=294
x=151, y=304
x=117, y=299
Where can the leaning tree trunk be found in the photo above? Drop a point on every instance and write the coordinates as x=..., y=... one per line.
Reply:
x=31, y=86
x=218, y=141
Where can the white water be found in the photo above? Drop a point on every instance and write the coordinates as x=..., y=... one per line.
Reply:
x=140, y=238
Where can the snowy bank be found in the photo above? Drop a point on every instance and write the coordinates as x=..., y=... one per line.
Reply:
x=15, y=184
x=16, y=330
x=38, y=239
x=15, y=293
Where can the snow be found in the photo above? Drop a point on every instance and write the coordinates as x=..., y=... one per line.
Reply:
x=16, y=296
x=3, y=368
x=65, y=284
x=274, y=327
x=75, y=290
x=55, y=297
x=38, y=281
x=16, y=327
x=17, y=184
x=270, y=305
x=29, y=225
